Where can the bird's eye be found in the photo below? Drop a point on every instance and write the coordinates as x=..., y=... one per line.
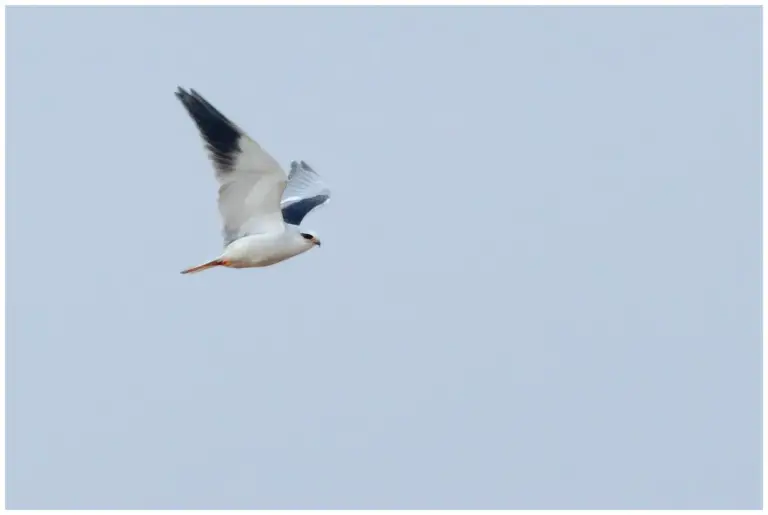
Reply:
x=307, y=236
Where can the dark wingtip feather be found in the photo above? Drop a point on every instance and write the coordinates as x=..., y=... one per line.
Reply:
x=180, y=93
x=220, y=134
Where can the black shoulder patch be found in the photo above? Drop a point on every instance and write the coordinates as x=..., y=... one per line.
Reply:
x=295, y=212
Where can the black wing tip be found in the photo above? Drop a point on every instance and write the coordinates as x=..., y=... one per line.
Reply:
x=182, y=94
x=220, y=134
x=192, y=98
x=187, y=100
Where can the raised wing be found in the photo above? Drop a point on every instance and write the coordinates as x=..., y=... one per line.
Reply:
x=305, y=192
x=251, y=182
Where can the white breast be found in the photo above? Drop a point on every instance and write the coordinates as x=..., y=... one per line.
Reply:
x=259, y=250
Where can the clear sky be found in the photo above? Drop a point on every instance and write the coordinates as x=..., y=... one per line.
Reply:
x=539, y=285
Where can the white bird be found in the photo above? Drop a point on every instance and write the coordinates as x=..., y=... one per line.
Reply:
x=261, y=207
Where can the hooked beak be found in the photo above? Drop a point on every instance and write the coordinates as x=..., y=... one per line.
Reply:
x=317, y=242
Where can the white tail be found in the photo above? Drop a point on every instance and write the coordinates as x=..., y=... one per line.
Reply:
x=205, y=266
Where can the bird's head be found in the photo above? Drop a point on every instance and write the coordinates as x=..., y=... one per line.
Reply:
x=310, y=237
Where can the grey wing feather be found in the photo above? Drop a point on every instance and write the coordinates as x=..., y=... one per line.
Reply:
x=251, y=182
x=305, y=191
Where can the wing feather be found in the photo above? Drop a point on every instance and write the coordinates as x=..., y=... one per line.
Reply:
x=305, y=191
x=251, y=182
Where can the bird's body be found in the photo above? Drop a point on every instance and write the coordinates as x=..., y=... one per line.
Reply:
x=261, y=206
x=258, y=250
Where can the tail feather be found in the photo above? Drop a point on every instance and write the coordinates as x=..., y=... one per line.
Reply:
x=204, y=266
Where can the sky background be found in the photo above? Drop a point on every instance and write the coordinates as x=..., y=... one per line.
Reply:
x=539, y=285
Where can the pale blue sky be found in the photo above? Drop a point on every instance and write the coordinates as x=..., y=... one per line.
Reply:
x=539, y=285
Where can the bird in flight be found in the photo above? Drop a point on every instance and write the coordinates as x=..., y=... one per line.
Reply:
x=261, y=206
